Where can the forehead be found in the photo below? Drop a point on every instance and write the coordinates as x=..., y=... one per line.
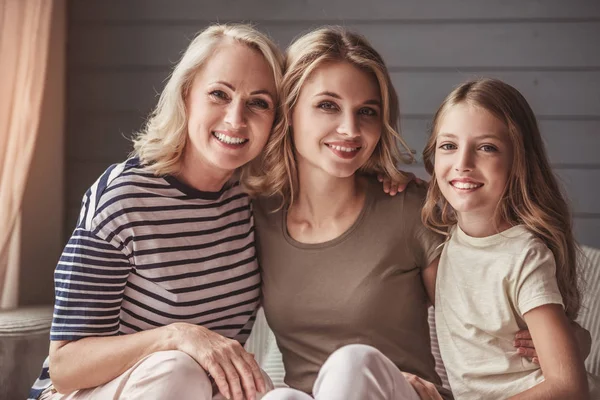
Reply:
x=467, y=120
x=239, y=65
x=343, y=78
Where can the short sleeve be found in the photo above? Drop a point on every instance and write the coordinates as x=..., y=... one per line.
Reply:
x=428, y=243
x=536, y=284
x=89, y=283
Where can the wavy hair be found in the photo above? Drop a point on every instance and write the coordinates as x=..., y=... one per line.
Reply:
x=276, y=172
x=160, y=145
x=532, y=196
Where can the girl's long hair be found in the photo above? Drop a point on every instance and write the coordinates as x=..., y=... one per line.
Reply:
x=532, y=196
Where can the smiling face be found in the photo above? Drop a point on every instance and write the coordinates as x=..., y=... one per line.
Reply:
x=231, y=108
x=473, y=157
x=336, y=121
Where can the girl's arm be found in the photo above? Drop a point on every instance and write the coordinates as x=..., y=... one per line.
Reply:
x=93, y=361
x=561, y=363
x=429, y=275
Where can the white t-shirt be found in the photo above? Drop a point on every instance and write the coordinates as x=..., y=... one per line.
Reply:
x=483, y=288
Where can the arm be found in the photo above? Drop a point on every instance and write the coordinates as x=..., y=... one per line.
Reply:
x=429, y=275
x=559, y=357
x=525, y=346
x=93, y=361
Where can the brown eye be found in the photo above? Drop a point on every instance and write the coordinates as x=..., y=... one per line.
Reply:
x=368, y=111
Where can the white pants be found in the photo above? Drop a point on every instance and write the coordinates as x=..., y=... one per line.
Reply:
x=354, y=372
x=161, y=375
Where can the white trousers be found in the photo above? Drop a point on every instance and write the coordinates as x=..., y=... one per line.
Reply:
x=354, y=372
x=161, y=375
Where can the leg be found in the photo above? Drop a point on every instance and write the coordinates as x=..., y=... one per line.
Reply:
x=357, y=372
x=259, y=395
x=161, y=375
x=286, y=394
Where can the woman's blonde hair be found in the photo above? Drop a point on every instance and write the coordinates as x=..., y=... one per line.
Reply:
x=161, y=143
x=276, y=174
x=532, y=196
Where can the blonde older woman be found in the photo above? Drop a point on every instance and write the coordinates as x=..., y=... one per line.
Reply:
x=157, y=289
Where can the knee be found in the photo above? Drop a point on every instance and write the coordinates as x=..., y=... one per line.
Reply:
x=354, y=357
x=286, y=394
x=173, y=362
x=167, y=373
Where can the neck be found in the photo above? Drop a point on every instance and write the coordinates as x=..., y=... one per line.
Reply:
x=198, y=174
x=322, y=197
x=480, y=225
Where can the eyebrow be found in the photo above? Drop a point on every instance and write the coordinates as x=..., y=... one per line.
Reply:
x=260, y=91
x=485, y=136
x=337, y=96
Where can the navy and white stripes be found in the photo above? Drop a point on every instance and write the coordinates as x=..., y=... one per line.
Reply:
x=149, y=251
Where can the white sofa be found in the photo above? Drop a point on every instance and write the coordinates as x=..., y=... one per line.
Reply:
x=24, y=338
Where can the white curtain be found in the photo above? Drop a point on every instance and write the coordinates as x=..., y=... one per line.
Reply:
x=24, y=41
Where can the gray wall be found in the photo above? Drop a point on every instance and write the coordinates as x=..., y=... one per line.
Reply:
x=120, y=52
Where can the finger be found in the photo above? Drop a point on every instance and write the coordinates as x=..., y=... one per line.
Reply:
x=386, y=185
x=220, y=379
x=526, y=352
x=380, y=177
x=259, y=380
x=524, y=343
x=524, y=334
x=535, y=360
x=393, y=189
x=233, y=379
x=246, y=376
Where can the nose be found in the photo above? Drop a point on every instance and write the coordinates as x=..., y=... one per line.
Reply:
x=464, y=160
x=349, y=125
x=236, y=114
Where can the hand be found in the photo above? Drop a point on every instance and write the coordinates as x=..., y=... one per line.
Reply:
x=425, y=389
x=392, y=188
x=524, y=344
x=224, y=359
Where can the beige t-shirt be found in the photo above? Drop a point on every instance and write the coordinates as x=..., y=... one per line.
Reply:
x=362, y=287
x=483, y=288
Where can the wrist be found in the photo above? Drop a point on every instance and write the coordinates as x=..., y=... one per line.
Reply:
x=170, y=337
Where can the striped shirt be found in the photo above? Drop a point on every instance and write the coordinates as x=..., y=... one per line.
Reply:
x=150, y=251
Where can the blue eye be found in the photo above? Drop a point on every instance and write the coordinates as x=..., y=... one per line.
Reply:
x=327, y=106
x=447, y=146
x=259, y=103
x=218, y=94
x=488, y=148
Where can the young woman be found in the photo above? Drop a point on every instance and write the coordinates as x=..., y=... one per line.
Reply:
x=509, y=261
x=341, y=260
x=157, y=288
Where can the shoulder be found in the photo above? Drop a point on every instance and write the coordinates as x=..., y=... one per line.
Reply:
x=407, y=204
x=267, y=209
x=116, y=184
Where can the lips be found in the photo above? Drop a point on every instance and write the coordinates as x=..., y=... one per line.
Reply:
x=465, y=184
x=228, y=138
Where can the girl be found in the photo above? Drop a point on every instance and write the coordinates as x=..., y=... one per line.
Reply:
x=159, y=283
x=509, y=261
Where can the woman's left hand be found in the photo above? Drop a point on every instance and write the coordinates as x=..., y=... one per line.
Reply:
x=524, y=344
x=525, y=348
x=425, y=389
x=392, y=188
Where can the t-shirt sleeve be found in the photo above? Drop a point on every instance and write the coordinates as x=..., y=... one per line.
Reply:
x=89, y=283
x=428, y=243
x=537, y=285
